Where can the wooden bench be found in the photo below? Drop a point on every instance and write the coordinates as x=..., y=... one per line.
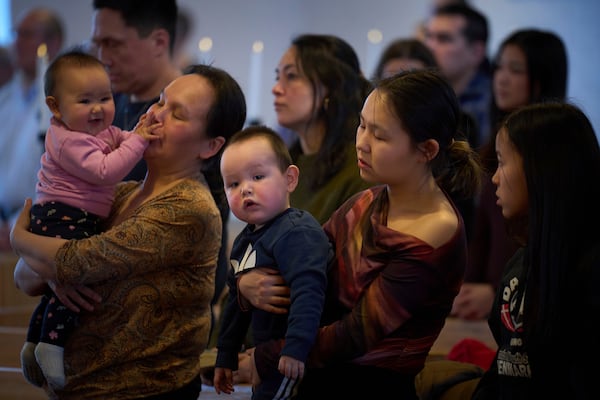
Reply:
x=15, y=312
x=13, y=385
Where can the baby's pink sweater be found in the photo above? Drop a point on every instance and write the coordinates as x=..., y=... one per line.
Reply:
x=82, y=170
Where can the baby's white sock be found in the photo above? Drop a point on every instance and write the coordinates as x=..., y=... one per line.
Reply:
x=31, y=369
x=50, y=359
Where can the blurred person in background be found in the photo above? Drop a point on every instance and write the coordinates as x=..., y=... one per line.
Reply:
x=318, y=94
x=457, y=34
x=530, y=67
x=7, y=67
x=21, y=104
x=403, y=54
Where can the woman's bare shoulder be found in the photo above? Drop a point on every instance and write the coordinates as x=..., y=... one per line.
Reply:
x=434, y=227
x=440, y=226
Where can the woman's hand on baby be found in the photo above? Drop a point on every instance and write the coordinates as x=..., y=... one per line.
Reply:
x=265, y=289
x=75, y=297
x=291, y=368
x=21, y=224
x=22, y=221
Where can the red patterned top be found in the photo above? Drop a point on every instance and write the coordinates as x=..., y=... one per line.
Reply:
x=389, y=292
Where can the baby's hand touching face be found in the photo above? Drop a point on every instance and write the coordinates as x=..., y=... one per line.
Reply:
x=146, y=126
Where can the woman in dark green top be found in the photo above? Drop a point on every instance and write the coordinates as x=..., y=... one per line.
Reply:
x=318, y=94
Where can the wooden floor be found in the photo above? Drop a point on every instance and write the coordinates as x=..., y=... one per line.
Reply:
x=12, y=335
x=15, y=311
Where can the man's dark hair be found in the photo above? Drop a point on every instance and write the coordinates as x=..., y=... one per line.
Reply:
x=476, y=28
x=145, y=15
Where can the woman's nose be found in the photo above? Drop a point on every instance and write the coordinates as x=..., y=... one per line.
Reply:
x=361, y=143
x=276, y=89
x=156, y=113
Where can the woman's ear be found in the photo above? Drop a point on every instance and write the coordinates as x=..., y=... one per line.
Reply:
x=52, y=104
x=292, y=173
x=429, y=149
x=211, y=147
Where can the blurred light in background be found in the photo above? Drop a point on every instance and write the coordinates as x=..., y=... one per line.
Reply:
x=5, y=24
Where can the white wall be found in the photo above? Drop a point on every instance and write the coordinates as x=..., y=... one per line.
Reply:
x=235, y=24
